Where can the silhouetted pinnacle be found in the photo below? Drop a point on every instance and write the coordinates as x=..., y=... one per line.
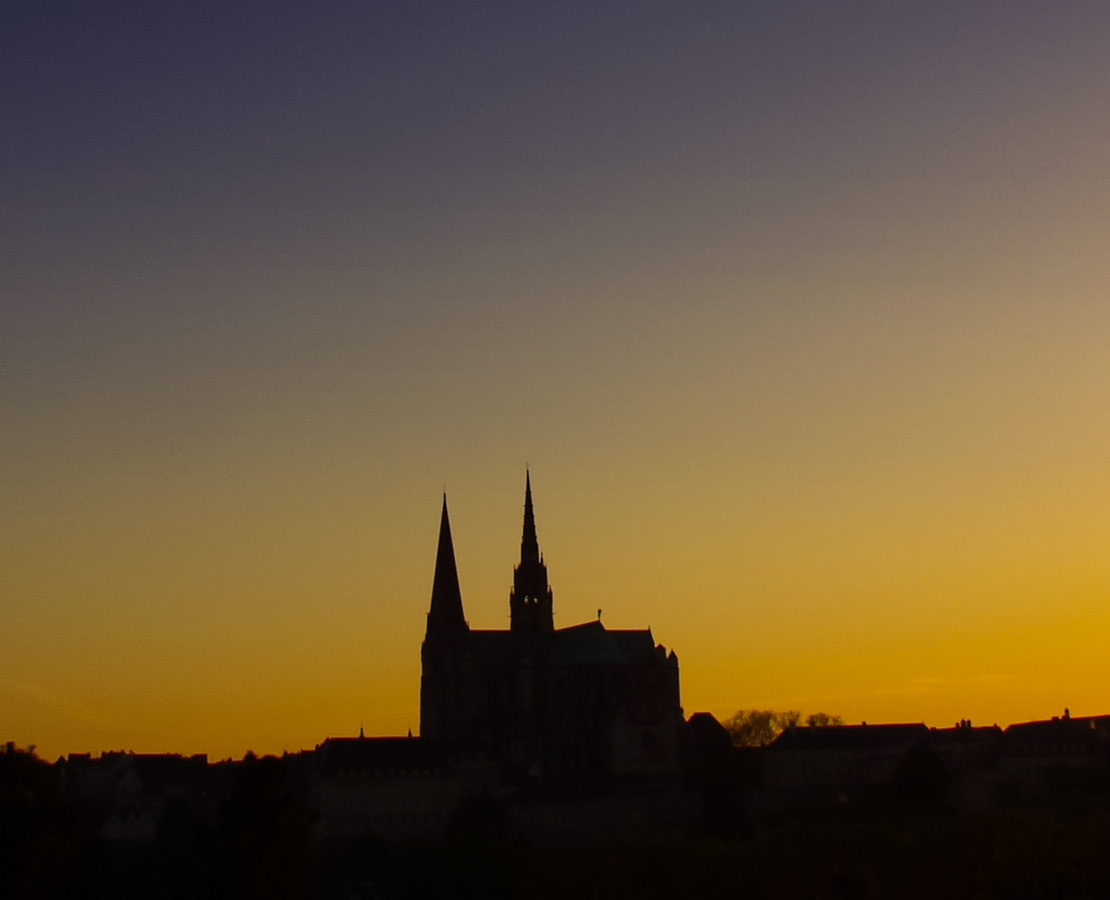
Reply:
x=446, y=612
x=529, y=544
x=530, y=600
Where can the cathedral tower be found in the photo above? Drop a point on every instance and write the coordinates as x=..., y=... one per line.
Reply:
x=530, y=600
x=442, y=696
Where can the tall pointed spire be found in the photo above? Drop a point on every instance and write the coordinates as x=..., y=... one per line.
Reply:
x=529, y=544
x=530, y=600
x=446, y=612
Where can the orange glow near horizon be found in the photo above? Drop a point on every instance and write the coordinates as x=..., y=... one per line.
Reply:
x=799, y=321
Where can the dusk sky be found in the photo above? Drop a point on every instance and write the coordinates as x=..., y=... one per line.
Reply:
x=799, y=314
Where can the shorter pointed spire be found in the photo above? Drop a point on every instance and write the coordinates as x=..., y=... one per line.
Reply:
x=446, y=612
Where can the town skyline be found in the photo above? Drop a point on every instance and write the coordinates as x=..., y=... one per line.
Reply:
x=797, y=314
x=723, y=713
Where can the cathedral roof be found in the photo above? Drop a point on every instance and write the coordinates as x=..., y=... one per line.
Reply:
x=588, y=644
x=591, y=643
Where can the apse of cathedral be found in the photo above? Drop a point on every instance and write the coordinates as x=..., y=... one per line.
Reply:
x=582, y=701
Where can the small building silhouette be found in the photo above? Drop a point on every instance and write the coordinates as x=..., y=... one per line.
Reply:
x=394, y=788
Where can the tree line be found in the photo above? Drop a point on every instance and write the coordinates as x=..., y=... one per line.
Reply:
x=759, y=727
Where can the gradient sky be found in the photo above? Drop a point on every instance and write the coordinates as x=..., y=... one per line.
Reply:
x=799, y=313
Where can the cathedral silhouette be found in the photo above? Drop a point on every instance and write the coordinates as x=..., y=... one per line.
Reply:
x=577, y=702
